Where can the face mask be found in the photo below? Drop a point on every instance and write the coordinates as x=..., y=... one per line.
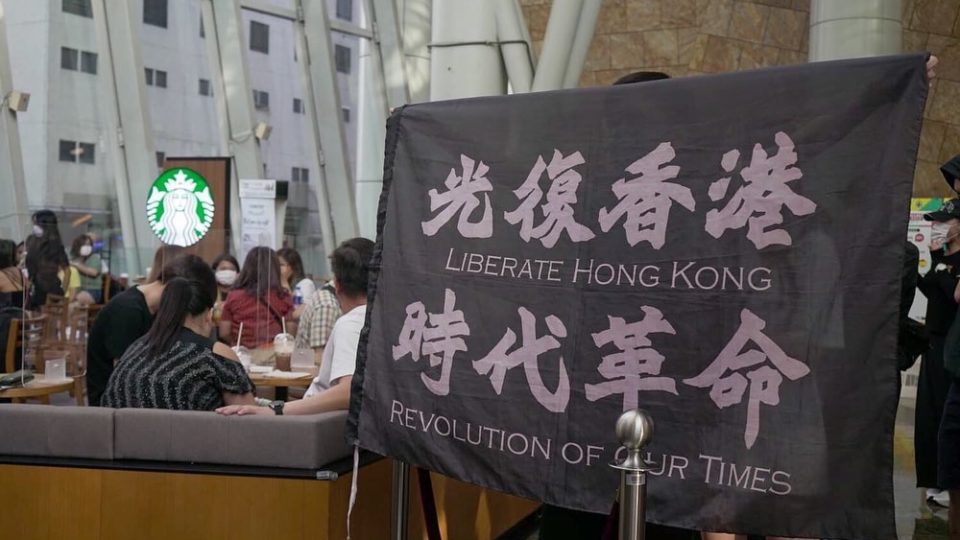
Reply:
x=37, y=230
x=226, y=277
x=85, y=251
x=939, y=232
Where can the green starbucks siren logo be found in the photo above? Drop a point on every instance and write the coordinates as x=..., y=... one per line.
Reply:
x=180, y=207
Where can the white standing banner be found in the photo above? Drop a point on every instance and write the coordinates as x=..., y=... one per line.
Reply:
x=258, y=211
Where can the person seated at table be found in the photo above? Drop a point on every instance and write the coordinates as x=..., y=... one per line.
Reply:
x=225, y=268
x=316, y=324
x=295, y=280
x=175, y=366
x=330, y=390
x=89, y=270
x=128, y=316
x=257, y=300
x=11, y=277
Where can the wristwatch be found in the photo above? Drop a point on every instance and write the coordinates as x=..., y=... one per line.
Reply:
x=276, y=407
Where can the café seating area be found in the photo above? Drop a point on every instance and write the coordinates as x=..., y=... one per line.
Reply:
x=55, y=336
x=160, y=474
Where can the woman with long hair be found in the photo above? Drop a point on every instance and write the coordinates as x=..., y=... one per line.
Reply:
x=175, y=366
x=295, y=280
x=225, y=268
x=257, y=300
x=47, y=266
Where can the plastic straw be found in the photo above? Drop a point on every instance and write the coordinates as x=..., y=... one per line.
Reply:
x=283, y=322
x=239, y=333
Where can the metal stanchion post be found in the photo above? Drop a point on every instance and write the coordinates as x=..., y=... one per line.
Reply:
x=401, y=500
x=634, y=429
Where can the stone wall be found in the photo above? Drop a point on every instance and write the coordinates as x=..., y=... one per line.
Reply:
x=691, y=37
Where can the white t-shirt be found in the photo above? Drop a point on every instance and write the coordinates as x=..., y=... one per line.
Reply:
x=340, y=354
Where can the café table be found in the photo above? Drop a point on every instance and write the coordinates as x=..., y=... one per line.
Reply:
x=41, y=388
x=280, y=381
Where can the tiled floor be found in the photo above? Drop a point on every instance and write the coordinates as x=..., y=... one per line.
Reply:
x=915, y=519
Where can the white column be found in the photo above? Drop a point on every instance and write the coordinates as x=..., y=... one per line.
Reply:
x=335, y=174
x=557, y=44
x=130, y=134
x=223, y=22
x=14, y=220
x=581, y=43
x=415, y=23
x=515, y=45
x=464, y=57
x=854, y=28
x=320, y=188
x=383, y=86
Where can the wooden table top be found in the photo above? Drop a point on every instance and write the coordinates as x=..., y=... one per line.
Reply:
x=39, y=387
x=264, y=379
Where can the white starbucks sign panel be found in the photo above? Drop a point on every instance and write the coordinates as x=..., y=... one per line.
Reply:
x=180, y=207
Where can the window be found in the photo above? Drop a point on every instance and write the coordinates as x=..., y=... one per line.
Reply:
x=345, y=10
x=67, y=149
x=156, y=77
x=161, y=157
x=85, y=152
x=78, y=7
x=69, y=58
x=205, y=89
x=261, y=100
x=73, y=152
x=342, y=58
x=155, y=12
x=300, y=174
x=75, y=60
x=346, y=114
x=88, y=62
x=298, y=106
x=259, y=37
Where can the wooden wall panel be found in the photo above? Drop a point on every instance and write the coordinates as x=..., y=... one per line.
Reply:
x=60, y=503
x=49, y=503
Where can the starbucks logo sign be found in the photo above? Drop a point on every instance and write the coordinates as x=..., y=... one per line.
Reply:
x=180, y=207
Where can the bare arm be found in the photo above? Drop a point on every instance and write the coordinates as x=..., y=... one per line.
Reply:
x=223, y=332
x=225, y=351
x=336, y=398
x=229, y=397
x=86, y=270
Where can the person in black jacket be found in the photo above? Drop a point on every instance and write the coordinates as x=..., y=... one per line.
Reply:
x=46, y=259
x=938, y=286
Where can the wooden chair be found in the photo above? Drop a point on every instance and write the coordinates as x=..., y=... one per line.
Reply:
x=25, y=334
x=57, y=310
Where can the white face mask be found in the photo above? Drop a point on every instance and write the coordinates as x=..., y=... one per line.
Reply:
x=85, y=251
x=37, y=230
x=939, y=232
x=226, y=277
